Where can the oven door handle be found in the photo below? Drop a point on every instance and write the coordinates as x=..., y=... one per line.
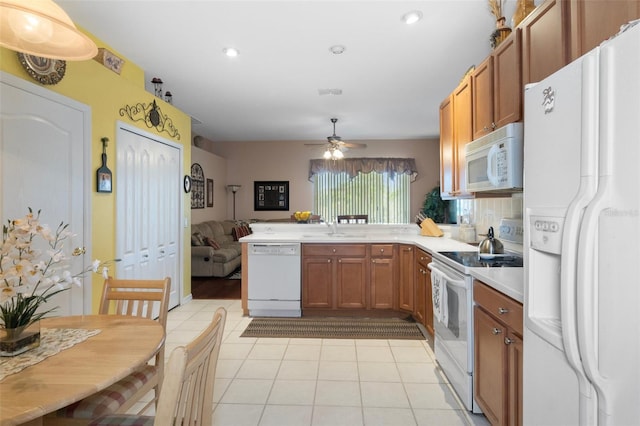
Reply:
x=450, y=281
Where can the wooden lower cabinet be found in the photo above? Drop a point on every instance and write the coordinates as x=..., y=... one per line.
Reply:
x=423, y=312
x=497, y=380
x=406, y=280
x=334, y=276
x=382, y=276
x=317, y=285
x=351, y=283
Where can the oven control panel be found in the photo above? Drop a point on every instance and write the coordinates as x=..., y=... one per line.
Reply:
x=511, y=230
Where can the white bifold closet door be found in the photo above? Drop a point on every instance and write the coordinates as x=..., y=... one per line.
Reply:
x=148, y=190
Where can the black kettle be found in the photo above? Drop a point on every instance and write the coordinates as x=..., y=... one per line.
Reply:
x=490, y=245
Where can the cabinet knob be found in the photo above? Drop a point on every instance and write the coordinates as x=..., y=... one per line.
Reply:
x=339, y=260
x=373, y=261
x=334, y=250
x=508, y=341
x=496, y=331
x=328, y=260
x=503, y=311
x=78, y=251
x=381, y=250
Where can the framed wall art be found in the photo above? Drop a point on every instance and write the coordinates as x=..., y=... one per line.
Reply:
x=271, y=195
x=197, y=186
x=209, y=192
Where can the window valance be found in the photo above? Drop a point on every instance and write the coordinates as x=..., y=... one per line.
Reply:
x=353, y=166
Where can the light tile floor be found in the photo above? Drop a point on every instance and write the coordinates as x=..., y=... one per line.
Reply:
x=313, y=382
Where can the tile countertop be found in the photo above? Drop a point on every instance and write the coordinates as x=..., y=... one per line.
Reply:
x=509, y=281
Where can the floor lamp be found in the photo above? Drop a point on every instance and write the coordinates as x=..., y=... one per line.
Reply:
x=234, y=189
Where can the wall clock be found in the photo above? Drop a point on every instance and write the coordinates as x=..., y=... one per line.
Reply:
x=43, y=70
x=187, y=183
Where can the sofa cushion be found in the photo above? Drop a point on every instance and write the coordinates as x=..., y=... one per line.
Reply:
x=224, y=255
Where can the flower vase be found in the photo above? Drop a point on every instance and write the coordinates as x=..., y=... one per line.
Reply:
x=501, y=32
x=523, y=8
x=14, y=341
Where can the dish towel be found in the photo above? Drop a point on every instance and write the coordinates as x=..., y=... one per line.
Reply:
x=439, y=296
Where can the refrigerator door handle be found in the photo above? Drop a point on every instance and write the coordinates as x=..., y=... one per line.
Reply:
x=570, y=263
x=587, y=294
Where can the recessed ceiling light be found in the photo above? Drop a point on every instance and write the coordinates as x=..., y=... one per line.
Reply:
x=337, y=49
x=231, y=52
x=412, y=17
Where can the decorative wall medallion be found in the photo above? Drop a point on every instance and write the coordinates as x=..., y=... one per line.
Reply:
x=43, y=70
x=549, y=99
x=151, y=115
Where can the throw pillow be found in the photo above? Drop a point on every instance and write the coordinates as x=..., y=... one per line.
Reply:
x=213, y=243
x=196, y=239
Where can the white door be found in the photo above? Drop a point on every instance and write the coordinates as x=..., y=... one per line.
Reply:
x=148, y=208
x=43, y=165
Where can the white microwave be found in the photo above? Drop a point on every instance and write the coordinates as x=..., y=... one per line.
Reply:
x=494, y=162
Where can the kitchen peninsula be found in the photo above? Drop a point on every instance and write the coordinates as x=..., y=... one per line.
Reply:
x=354, y=269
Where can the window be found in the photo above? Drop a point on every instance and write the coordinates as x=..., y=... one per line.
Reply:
x=379, y=188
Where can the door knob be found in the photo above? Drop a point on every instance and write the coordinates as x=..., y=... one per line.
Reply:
x=496, y=331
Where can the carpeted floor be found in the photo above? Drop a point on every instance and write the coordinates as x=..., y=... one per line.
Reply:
x=334, y=328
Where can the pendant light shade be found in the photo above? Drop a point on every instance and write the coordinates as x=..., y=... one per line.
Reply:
x=42, y=28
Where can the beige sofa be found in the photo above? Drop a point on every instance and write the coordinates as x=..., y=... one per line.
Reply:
x=208, y=261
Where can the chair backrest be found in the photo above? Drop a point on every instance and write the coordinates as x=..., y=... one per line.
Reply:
x=186, y=398
x=141, y=298
x=353, y=218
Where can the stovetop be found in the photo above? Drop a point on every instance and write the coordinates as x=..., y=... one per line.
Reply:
x=473, y=260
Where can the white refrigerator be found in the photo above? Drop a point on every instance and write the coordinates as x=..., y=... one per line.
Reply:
x=582, y=238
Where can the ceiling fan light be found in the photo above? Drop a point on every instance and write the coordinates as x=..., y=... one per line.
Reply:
x=231, y=52
x=327, y=154
x=42, y=28
x=337, y=154
x=412, y=17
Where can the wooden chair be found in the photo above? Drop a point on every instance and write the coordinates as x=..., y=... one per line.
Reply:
x=141, y=298
x=186, y=398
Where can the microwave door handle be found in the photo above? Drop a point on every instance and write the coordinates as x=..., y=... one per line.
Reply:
x=492, y=165
x=450, y=281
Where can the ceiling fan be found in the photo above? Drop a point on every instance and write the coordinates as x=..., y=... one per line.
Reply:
x=336, y=146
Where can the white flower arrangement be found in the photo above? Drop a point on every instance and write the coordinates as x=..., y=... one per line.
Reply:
x=29, y=277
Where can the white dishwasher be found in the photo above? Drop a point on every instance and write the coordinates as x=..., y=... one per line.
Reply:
x=274, y=287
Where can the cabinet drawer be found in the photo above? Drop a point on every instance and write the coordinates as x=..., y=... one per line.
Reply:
x=502, y=307
x=381, y=250
x=423, y=258
x=350, y=250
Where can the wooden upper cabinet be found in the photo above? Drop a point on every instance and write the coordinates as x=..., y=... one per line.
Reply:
x=463, y=131
x=545, y=40
x=483, y=90
x=507, y=80
x=447, y=152
x=594, y=21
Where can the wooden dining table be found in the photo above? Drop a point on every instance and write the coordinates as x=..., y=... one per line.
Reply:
x=122, y=345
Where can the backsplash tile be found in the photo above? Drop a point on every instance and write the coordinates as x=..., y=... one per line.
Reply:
x=486, y=212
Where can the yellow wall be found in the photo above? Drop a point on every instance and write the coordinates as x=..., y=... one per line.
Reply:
x=106, y=92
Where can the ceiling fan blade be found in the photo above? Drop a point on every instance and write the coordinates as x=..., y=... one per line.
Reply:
x=316, y=144
x=354, y=145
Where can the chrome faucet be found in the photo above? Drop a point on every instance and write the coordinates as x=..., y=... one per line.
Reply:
x=333, y=227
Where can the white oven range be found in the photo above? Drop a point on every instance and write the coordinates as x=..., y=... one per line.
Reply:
x=453, y=327
x=452, y=288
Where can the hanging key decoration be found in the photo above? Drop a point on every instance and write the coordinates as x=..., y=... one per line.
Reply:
x=103, y=175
